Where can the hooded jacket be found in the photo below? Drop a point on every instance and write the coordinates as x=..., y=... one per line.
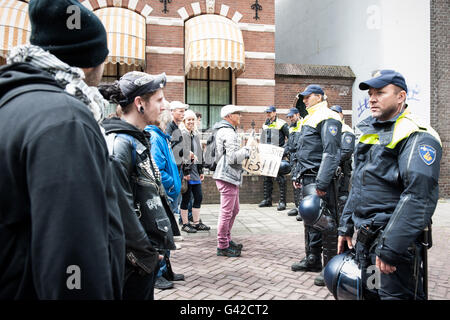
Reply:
x=165, y=160
x=59, y=219
x=230, y=154
x=145, y=198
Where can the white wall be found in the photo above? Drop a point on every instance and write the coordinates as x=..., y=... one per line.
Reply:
x=366, y=35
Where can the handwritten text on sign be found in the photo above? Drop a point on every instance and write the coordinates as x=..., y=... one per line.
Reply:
x=264, y=159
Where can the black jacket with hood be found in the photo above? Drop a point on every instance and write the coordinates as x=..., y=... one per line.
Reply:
x=60, y=229
x=148, y=220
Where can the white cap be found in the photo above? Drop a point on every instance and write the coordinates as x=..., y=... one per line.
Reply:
x=178, y=105
x=229, y=109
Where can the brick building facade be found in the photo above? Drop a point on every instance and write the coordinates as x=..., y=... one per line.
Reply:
x=440, y=85
x=260, y=82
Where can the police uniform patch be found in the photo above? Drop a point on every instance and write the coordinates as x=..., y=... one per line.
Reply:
x=348, y=139
x=427, y=154
x=333, y=130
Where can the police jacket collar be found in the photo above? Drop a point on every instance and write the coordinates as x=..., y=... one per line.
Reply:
x=316, y=107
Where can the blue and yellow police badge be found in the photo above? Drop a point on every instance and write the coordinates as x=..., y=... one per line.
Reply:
x=427, y=154
x=333, y=130
x=348, y=139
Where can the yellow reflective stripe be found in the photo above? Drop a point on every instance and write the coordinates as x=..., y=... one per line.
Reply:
x=319, y=115
x=370, y=139
x=278, y=124
x=297, y=127
x=403, y=128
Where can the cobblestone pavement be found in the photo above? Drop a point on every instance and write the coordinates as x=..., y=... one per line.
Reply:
x=272, y=243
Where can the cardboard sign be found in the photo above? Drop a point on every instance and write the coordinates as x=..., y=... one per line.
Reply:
x=264, y=159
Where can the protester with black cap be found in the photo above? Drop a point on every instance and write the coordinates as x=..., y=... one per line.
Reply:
x=274, y=131
x=394, y=191
x=347, y=149
x=318, y=154
x=60, y=227
x=148, y=220
x=290, y=150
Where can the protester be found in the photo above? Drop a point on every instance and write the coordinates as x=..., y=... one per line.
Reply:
x=148, y=220
x=60, y=227
x=177, y=110
x=165, y=160
x=228, y=176
x=194, y=175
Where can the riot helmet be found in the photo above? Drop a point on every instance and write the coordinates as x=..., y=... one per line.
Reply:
x=343, y=277
x=285, y=168
x=314, y=213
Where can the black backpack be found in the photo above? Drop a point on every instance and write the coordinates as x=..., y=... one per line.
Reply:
x=210, y=157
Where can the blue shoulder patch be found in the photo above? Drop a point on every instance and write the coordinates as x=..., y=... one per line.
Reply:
x=333, y=130
x=427, y=154
x=348, y=139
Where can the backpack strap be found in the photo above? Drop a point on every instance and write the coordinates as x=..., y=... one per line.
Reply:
x=10, y=95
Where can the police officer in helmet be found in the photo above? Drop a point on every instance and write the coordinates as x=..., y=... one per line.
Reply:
x=275, y=131
x=318, y=154
x=394, y=191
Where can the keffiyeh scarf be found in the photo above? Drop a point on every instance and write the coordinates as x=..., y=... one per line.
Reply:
x=70, y=78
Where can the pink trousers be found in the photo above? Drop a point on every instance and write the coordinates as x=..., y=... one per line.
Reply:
x=229, y=208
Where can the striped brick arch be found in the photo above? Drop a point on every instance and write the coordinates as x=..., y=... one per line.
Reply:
x=209, y=9
x=137, y=6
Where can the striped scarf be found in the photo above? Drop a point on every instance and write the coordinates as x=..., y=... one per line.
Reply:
x=70, y=78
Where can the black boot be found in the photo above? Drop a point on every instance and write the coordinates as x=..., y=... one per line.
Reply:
x=268, y=186
x=312, y=262
x=297, y=198
x=169, y=274
x=282, y=184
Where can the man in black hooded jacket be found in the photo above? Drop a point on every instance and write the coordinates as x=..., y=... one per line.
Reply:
x=60, y=227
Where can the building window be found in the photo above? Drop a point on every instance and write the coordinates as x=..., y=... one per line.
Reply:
x=207, y=91
x=113, y=72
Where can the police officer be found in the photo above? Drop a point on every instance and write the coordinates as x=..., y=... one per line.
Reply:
x=318, y=155
x=275, y=131
x=394, y=190
x=290, y=150
x=347, y=148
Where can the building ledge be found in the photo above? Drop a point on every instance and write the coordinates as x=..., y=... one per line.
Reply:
x=310, y=70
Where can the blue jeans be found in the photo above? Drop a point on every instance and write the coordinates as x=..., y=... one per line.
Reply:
x=163, y=265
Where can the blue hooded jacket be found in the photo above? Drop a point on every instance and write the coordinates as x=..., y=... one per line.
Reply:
x=163, y=155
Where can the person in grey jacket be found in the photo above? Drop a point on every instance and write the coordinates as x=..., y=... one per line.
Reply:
x=228, y=176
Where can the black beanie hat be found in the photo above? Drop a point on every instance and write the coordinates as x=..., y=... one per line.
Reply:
x=53, y=28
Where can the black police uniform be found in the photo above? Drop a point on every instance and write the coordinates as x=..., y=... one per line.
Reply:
x=394, y=194
x=275, y=132
x=347, y=149
x=317, y=157
x=291, y=150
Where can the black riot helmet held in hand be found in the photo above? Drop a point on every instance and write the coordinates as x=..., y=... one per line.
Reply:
x=315, y=214
x=343, y=277
x=285, y=167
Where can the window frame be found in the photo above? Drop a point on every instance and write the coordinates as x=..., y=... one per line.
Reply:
x=208, y=104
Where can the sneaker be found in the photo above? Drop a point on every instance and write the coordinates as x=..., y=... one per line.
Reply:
x=235, y=245
x=163, y=284
x=188, y=228
x=178, y=238
x=228, y=252
x=201, y=227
